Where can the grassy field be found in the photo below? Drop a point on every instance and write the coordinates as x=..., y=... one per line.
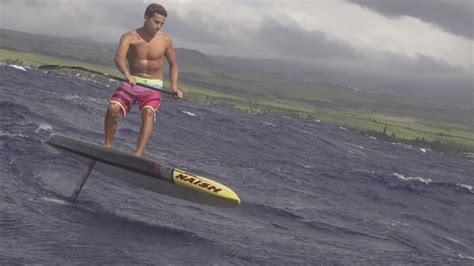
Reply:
x=327, y=103
x=33, y=60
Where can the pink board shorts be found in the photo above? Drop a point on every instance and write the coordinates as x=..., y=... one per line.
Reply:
x=126, y=95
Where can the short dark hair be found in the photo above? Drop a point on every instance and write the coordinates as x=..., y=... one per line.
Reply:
x=155, y=8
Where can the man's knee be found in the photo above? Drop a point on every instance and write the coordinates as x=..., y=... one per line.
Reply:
x=148, y=113
x=115, y=109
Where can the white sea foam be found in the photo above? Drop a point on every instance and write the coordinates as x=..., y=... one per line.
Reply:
x=304, y=165
x=355, y=145
x=454, y=240
x=394, y=223
x=343, y=128
x=465, y=186
x=71, y=97
x=416, y=178
x=269, y=124
x=188, y=113
x=12, y=135
x=18, y=67
x=465, y=257
x=406, y=146
x=423, y=150
x=53, y=200
x=44, y=127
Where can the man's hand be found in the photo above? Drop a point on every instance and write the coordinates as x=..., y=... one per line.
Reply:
x=131, y=80
x=178, y=93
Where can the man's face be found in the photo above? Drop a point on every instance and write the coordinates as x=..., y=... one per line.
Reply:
x=153, y=24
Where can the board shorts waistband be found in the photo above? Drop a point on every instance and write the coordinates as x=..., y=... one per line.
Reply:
x=156, y=83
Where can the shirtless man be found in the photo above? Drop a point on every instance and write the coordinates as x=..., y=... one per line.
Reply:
x=144, y=49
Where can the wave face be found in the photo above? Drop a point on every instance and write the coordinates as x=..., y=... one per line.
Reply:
x=312, y=193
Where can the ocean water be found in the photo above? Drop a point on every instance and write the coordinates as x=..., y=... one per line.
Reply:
x=311, y=193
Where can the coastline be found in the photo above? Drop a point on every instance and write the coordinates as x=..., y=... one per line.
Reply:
x=377, y=129
x=422, y=143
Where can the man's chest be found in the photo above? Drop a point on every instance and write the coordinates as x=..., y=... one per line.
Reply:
x=149, y=50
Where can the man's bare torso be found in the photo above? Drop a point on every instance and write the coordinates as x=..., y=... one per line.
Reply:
x=145, y=57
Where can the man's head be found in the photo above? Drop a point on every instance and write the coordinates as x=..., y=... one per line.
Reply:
x=155, y=16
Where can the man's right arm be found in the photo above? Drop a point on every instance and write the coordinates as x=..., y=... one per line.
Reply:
x=120, y=57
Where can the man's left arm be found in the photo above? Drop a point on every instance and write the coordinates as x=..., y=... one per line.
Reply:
x=174, y=70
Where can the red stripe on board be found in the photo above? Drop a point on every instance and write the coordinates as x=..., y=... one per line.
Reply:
x=158, y=168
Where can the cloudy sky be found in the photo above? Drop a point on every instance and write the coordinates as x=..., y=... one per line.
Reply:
x=424, y=45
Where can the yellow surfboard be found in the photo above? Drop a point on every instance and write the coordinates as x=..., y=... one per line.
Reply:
x=148, y=174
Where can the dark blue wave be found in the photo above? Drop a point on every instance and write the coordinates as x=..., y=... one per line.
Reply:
x=312, y=193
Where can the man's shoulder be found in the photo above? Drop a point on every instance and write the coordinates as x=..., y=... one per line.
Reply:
x=164, y=35
x=163, y=38
x=130, y=34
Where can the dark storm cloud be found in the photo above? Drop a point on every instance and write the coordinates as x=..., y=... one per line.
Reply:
x=197, y=27
x=293, y=41
x=122, y=13
x=455, y=16
x=418, y=77
x=421, y=77
x=261, y=33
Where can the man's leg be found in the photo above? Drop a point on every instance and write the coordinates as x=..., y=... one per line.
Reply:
x=145, y=130
x=113, y=113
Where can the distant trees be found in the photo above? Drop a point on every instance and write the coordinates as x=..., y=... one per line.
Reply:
x=421, y=142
